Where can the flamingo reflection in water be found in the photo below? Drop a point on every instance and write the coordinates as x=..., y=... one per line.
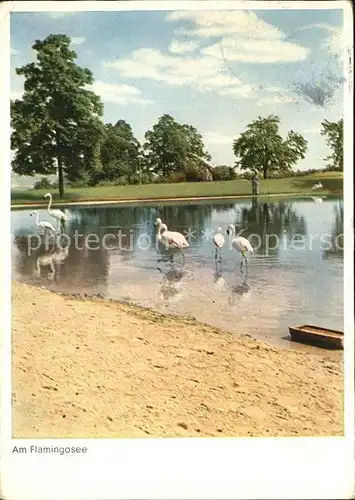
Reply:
x=171, y=285
x=218, y=241
x=172, y=240
x=50, y=259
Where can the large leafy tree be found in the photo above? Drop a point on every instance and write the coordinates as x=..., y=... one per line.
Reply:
x=170, y=148
x=57, y=126
x=334, y=133
x=120, y=153
x=261, y=148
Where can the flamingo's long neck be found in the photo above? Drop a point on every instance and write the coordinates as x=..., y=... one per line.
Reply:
x=49, y=204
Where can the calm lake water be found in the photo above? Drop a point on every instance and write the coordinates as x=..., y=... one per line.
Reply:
x=295, y=275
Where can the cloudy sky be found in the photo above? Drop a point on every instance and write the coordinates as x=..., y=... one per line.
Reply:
x=215, y=70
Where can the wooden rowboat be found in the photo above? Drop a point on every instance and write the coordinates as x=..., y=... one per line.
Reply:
x=315, y=335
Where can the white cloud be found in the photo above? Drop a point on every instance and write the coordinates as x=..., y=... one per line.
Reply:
x=14, y=52
x=243, y=91
x=177, y=47
x=212, y=137
x=253, y=40
x=244, y=37
x=272, y=89
x=77, y=40
x=205, y=73
x=335, y=42
x=119, y=93
x=174, y=70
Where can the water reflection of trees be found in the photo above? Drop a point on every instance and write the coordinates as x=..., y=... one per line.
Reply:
x=336, y=243
x=265, y=219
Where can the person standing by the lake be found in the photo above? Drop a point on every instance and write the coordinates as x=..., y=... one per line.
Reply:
x=255, y=184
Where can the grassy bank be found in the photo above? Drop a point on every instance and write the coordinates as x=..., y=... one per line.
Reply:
x=332, y=182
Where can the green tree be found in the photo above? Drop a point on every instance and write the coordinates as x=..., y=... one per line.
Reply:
x=57, y=126
x=169, y=148
x=120, y=153
x=334, y=133
x=262, y=149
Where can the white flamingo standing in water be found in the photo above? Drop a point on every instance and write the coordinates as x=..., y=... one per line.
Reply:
x=218, y=241
x=56, y=213
x=46, y=226
x=171, y=239
x=241, y=244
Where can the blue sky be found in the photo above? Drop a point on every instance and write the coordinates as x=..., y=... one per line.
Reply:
x=215, y=70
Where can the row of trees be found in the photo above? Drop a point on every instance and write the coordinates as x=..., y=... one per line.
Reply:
x=58, y=128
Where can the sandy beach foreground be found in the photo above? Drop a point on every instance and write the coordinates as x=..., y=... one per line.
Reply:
x=96, y=368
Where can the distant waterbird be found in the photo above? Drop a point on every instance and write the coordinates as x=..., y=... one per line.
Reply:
x=242, y=245
x=59, y=215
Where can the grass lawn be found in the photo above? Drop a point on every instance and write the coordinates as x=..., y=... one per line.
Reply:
x=332, y=183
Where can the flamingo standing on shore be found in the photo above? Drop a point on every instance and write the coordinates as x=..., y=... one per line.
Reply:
x=171, y=239
x=241, y=244
x=56, y=213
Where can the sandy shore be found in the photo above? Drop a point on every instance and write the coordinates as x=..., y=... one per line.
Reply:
x=96, y=368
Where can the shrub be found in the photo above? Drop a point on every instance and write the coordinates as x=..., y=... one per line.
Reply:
x=43, y=183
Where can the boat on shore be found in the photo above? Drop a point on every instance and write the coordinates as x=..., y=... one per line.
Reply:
x=317, y=336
